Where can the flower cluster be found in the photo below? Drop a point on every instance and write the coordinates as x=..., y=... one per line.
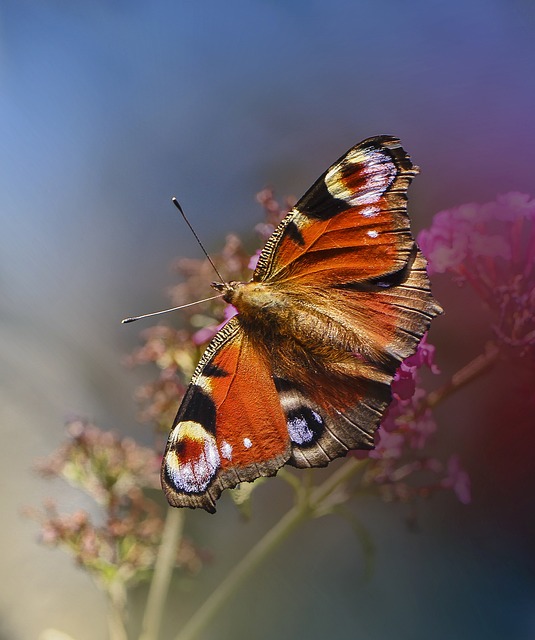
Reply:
x=171, y=351
x=117, y=473
x=398, y=466
x=492, y=248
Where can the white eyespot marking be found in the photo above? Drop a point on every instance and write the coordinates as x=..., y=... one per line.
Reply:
x=192, y=459
x=299, y=430
x=226, y=450
x=247, y=443
x=376, y=173
x=372, y=234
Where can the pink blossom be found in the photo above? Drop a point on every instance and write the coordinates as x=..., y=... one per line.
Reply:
x=254, y=260
x=403, y=384
x=205, y=334
x=389, y=445
x=424, y=356
x=420, y=429
x=491, y=247
x=471, y=232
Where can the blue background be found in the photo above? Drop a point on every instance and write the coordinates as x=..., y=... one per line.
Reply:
x=109, y=108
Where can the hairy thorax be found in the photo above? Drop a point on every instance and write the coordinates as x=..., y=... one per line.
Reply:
x=265, y=305
x=300, y=329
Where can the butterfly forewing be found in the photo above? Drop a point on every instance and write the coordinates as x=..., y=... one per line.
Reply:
x=352, y=222
x=230, y=427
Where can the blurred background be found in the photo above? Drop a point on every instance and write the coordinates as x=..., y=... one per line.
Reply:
x=107, y=109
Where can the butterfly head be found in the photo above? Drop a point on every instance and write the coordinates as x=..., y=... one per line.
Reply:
x=228, y=289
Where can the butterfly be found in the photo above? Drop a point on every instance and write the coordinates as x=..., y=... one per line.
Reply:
x=301, y=375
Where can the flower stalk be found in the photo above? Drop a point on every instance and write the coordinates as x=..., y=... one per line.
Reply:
x=310, y=503
x=163, y=570
x=476, y=367
x=117, y=611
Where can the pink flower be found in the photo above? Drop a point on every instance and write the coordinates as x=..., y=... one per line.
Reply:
x=470, y=233
x=492, y=248
x=205, y=334
x=389, y=445
x=254, y=260
x=424, y=356
x=421, y=429
x=403, y=384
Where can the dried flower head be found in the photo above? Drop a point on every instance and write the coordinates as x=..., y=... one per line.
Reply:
x=116, y=473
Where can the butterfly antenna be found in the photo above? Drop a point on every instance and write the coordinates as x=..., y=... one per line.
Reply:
x=157, y=313
x=177, y=205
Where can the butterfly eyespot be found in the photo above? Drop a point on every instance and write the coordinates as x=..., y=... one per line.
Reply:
x=304, y=425
x=192, y=459
x=363, y=187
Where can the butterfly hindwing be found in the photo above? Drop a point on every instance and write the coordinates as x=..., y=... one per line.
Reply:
x=318, y=434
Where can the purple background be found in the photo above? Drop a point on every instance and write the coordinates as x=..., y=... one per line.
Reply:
x=109, y=108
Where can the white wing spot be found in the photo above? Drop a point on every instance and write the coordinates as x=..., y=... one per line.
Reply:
x=247, y=443
x=369, y=212
x=226, y=450
x=373, y=234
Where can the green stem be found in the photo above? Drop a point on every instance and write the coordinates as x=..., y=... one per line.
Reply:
x=117, y=611
x=163, y=569
x=364, y=537
x=207, y=611
x=350, y=467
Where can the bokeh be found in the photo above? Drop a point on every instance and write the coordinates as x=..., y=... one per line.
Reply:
x=108, y=109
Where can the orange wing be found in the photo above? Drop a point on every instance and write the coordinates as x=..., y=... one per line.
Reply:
x=351, y=225
x=230, y=427
x=346, y=257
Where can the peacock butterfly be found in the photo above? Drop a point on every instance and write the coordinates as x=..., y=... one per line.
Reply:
x=339, y=297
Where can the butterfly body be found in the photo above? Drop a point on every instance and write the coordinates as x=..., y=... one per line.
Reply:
x=302, y=374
